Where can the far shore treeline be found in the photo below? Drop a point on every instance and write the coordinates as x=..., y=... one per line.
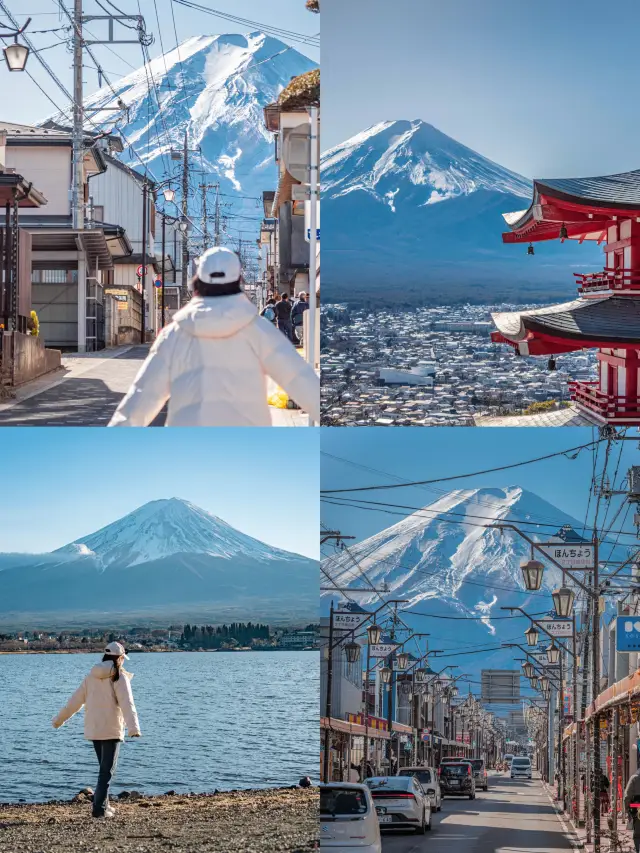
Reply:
x=226, y=637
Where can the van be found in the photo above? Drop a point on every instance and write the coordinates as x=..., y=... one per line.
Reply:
x=348, y=819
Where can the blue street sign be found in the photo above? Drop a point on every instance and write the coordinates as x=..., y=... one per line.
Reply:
x=628, y=634
x=309, y=233
x=157, y=282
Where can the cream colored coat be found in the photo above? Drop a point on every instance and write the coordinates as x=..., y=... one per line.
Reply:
x=108, y=704
x=211, y=363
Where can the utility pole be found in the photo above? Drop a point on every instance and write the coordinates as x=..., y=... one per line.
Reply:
x=595, y=692
x=205, y=233
x=143, y=265
x=185, y=213
x=217, y=216
x=164, y=235
x=77, y=193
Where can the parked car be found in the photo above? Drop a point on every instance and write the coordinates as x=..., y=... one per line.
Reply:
x=348, y=819
x=521, y=767
x=428, y=778
x=480, y=773
x=401, y=802
x=458, y=780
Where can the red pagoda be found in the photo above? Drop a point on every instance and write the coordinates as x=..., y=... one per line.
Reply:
x=606, y=313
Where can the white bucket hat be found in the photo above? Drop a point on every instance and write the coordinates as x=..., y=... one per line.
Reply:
x=219, y=265
x=116, y=649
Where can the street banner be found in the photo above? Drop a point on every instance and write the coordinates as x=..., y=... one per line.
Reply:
x=570, y=556
x=383, y=650
x=344, y=621
x=628, y=634
x=557, y=627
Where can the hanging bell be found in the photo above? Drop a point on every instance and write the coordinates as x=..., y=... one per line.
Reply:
x=551, y=364
x=530, y=250
x=563, y=232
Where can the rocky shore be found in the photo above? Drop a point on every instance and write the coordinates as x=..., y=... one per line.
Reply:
x=263, y=821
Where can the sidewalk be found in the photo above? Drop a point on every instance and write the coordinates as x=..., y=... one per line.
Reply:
x=580, y=833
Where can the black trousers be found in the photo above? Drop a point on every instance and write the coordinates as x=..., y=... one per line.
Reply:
x=107, y=752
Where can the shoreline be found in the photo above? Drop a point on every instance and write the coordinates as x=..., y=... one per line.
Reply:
x=241, y=821
x=100, y=651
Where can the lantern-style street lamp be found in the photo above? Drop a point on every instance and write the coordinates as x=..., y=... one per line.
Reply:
x=169, y=194
x=527, y=668
x=532, y=635
x=535, y=682
x=420, y=675
x=532, y=572
x=553, y=654
x=352, y=651
x=544, y=682
x=402, y=660
x=385, y=674
x=374, y=633
x=563, y=601
x=16, y=54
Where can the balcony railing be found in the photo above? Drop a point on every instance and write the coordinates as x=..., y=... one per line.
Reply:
x=608, y=279
x=611, y=407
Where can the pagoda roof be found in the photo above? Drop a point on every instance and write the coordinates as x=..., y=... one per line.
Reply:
x=582, y=205
x=613, y=321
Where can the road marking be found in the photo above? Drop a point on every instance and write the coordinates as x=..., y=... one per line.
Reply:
x=569, y=832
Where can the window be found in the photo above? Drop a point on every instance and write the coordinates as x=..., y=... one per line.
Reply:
x=98, y=213
x=343, y=801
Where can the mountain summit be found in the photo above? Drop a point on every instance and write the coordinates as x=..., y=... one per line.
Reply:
x=214, y=88
x=410, y=215
x=164, y=528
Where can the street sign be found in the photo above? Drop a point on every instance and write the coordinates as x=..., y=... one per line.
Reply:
x=557, y=627
x=157, y=282
x=570, y=556
x=628, y=634
x=309, y=234
x=383, y=650
x=347, y=621
x=141, y=271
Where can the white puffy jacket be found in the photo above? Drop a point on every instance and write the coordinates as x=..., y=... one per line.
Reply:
x=212, y=364
x=108, y=705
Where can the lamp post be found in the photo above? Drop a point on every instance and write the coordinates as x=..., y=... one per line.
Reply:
x=16, y=54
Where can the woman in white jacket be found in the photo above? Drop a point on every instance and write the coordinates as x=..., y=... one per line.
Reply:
x=108, y=702
x=212, y=362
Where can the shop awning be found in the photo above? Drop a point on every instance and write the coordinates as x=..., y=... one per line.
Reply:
x=619, y=693
x=345, y=727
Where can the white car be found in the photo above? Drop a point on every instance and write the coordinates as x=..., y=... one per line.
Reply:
x=428, y=778
x=401, y=802
x=348, y=819
x=521, y=767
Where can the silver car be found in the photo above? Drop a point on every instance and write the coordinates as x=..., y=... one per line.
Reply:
x=428, y=778
x=401, y=802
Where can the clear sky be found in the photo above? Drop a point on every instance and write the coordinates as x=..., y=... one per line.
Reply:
x=23, y=102
x=413, y=453
x=65, y=483
x=545, y=88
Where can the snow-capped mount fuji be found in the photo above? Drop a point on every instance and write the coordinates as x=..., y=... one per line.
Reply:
x=214, y=87
x=163, y=528
x=168, y=559
x=411, y=210
x=412, y=163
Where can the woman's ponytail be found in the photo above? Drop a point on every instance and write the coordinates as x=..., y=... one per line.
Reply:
x=115, y=660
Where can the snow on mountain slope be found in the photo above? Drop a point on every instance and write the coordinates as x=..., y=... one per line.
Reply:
x=445, y=555
x=412, y=162
x=164, y=528
x=214, y=88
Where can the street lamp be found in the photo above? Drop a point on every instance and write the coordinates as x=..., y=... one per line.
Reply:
x=420, y=675
x=532, y=571
x=532, y=635
x=403, y=660
x=16, y=56
x=535, y=682
x=169, y=194
x=563, y=601
x=544, y=682
x=183, y=226
x=553, y=654
x=374, y=633
x=385, y=674
x=352, y=651
x=528, y=669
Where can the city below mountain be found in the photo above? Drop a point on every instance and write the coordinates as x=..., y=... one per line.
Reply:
x=411, y=216
x=167, y=558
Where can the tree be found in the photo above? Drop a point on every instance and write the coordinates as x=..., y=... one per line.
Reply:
x=313, y=5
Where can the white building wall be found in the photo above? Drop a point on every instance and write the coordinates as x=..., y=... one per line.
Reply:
x=49, y=169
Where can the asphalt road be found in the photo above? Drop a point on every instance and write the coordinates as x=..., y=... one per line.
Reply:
x=511, y=817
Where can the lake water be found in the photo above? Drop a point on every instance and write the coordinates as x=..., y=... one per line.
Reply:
x=208, y=720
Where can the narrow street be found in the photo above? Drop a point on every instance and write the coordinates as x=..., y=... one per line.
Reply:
x=511, y=817
x=88, y=389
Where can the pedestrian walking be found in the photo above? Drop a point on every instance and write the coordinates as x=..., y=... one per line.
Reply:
x=109, y=707
x=631, y=798
x=212, y=362
x=269, y=310
x=283, y=316
x=297, y=316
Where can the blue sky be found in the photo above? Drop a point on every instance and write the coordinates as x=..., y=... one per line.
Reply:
x=421, y=454
x=543, y=88
x=66, y=483
x=23, y=102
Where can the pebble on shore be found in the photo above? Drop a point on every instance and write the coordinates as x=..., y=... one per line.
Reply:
x=285, y=820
